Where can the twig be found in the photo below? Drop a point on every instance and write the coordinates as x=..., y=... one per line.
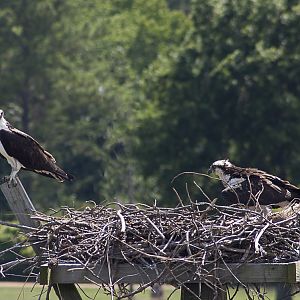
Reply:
x=123, y=226
x=258, y=248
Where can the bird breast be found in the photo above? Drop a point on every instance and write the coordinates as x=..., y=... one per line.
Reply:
x=236, y=182
x=227, y=180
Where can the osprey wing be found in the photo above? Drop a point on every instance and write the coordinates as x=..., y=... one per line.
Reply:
x=31, y=154
x=27, y=136
x=280, y=183
x=274, y=189
x=265, y=188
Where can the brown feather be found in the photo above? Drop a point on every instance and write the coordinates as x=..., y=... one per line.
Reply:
x=31, y=154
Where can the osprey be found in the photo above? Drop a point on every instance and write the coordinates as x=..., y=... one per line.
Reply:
x=23, y=152
x=251, y=186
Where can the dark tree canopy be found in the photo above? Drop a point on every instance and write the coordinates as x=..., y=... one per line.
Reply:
x=233, y=91
x=127, y=94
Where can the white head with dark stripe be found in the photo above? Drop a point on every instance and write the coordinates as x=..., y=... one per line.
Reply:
x=219, y=167
x=2, y=120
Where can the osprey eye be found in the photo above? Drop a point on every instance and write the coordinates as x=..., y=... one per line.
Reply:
x=211, y=169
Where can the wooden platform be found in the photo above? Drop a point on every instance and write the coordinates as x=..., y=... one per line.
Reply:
x=126, y=273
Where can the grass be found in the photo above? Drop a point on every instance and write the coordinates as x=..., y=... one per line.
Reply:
x=20, y=292
x=27, y=292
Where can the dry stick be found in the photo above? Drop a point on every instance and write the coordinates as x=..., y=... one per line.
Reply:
x=23, y=227
x=123, y=228
x=179, y=198
x=258, y=249
x=202, y=191
x=143, y=287
x=194, y=173
x=156, y=228
x=82, y=290
x=189, y=196
x=42, y=292
x=111, y=286
x=235, y=292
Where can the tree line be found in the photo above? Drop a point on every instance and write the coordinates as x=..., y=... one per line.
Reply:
x=126, y=94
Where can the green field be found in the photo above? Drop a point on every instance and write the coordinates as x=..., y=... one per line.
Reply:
x=27, y=292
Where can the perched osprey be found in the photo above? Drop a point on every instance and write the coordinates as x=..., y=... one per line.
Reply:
x=23, y=152
x=250, y=186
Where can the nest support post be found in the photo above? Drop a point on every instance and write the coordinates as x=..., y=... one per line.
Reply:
x=21, y=205
x=196, y=291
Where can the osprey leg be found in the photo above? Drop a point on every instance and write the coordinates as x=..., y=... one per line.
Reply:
x=12, y=177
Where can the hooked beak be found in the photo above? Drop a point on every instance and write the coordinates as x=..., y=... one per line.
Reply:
x=210, y=170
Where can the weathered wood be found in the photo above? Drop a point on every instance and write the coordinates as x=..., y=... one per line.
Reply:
x=188, y=291
x=67, y=292
x=19, y=202
x=248, y=273
x=21, y=205
x=294, y=272
x=194, y=291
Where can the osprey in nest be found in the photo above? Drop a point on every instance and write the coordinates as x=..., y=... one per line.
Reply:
x=251, y=186
x=23, y=152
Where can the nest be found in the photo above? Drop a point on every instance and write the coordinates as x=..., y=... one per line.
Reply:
x=134, y=232
x=195, y=236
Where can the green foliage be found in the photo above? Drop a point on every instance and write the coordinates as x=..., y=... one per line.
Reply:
x=79, y=84
x=127, y=94
x=8, y=238
x=232, y=92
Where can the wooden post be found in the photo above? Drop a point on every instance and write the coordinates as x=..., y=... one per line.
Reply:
x=20, y=204
x=192, y=291
x=188, y=290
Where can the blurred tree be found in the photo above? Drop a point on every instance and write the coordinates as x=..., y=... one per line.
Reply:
x=232, y=92
x=104, y=91
x=180, y=4
x=26, y=54
x=71, y=75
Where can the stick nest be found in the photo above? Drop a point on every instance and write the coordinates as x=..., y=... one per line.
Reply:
x=198, y=234
x=192, y=237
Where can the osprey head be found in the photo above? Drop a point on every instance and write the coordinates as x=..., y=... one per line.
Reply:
x=1, y=114
x=219, y=166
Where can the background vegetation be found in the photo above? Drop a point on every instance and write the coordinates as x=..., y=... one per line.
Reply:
x=126, y=94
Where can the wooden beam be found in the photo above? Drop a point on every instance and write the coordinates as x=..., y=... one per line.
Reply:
x=248, y=273
x=261, y=273
x=294, y=272
x=20, y=203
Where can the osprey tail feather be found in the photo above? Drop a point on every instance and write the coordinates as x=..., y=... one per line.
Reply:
x=61, y=175
x=58, y=174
